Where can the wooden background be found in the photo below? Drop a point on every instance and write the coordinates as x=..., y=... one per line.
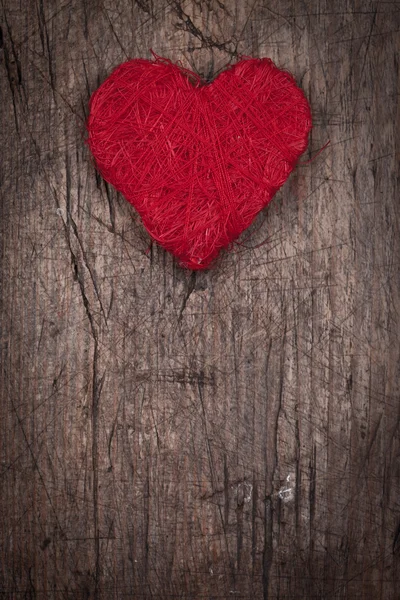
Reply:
x=226, y=434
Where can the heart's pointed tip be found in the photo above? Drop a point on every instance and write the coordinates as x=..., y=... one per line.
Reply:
x=197, y=264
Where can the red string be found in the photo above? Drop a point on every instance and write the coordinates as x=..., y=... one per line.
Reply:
x=198, y=161
x=310, y=160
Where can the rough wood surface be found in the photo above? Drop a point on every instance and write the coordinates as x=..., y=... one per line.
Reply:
x=229, y=434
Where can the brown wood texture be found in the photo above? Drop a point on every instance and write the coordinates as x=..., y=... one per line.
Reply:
x=226, y=434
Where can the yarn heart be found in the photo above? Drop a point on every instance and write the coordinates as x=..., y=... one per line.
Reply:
x=197, y=160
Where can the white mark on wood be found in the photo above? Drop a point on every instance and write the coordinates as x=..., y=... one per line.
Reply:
x=286, y=493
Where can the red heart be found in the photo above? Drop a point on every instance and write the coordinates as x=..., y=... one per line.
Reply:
x=197, y=161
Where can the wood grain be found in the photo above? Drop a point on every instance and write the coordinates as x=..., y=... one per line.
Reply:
x=227, y=434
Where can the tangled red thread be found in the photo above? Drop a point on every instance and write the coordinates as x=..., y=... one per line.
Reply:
x=197, y=160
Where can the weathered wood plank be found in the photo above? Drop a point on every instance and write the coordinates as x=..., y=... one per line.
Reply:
x=233, y=433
